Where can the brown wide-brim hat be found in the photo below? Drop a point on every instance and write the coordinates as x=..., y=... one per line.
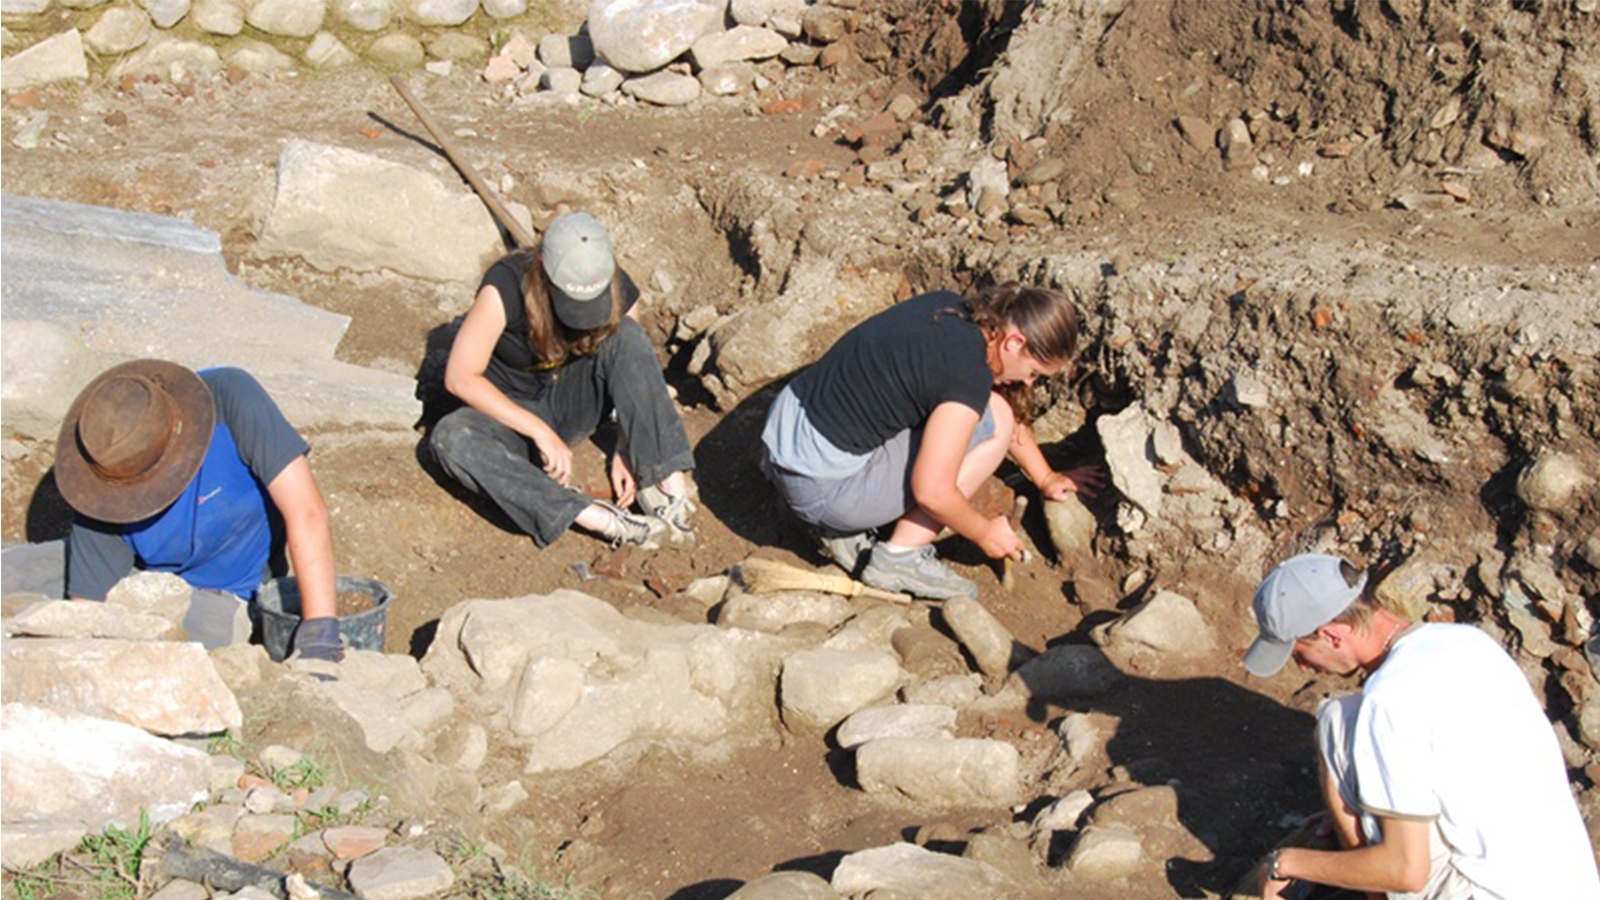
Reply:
x=133, y=440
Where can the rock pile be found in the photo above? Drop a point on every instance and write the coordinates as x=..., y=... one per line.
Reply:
x=668, y=54
x=585, y=685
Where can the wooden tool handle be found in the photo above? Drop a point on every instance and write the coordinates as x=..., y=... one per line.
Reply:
x=519, y=234
x=862, y=590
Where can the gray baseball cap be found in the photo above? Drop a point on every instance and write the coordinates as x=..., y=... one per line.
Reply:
x=577, y=257
x=1301, y=595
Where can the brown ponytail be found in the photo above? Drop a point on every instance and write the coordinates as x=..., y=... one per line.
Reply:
x=1046, y=317
x=553, y=343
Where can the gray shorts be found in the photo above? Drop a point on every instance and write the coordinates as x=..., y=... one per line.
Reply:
x=873, y=496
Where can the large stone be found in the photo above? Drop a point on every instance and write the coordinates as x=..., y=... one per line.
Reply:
x=118, y=30
x=400, y=873
x=169, y=59
x=1106, y=853
x=440, y=13
x=822, y=687
x=69, y=619
x=42, y=368
x=338, y=208
x=224, y=17
x=1126, y=438
x=770, y=13
x=382, y=724
x=781, y=609
x=56, y=58
x=328, y=52
x=691, y=686
x=906, y=870
x=1554, y=481
x=1167, y=623
x=902, y=720
x=257, y=57
x=663, y=88
x=727, y=80
x=643, y=37
x=995, y=649
x=505, y=9
x=287, y=18
x=364, y=15
x=1072, y=529
x=1409, y=587
x=791, y=885
x=1067, y=671
x=62, y=766
x=737, y=44
x=600, y=79
x=396, y=51
x=566, y=51
x=941, y=772
x=166, y=13
x=164, y=688
x=27, y=844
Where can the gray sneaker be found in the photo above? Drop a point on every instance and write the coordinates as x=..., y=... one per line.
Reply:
x=919, y=573
x=846, y=548
x=632, y=529
x=672, y=509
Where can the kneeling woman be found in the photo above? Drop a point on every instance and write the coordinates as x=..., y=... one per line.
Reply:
x=549, y=348
x=904, y=418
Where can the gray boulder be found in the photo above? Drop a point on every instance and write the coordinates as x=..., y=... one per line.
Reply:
x=740, y=43
x=906, y=870
x=822, y=687
x=169, y=59
x=224, y=17
x=339, y=209
x=941, y=772
x=643, y=37
x=57, y=58
x=118, y=30
x=902, y=720
x=566, y=51
x=43, y=366
x=364, y=15
x=786, y=886
x=164, y=688
x=73, y=768
x=1167, y=623
x=663, y=89
x=439, y=13
x=166, y=13
x=287, y=18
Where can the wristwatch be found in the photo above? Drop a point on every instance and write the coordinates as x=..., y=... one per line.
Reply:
x=1272, y=865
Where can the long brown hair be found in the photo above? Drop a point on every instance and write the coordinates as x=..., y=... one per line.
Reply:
x=552, y=342
x=1046, y=317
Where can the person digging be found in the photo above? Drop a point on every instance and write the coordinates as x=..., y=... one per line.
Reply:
x=1442, y=778
x=199, y=475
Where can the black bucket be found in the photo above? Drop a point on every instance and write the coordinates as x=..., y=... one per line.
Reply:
x=279, y=605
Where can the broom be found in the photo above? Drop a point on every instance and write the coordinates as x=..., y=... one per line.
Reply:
x=762, y=576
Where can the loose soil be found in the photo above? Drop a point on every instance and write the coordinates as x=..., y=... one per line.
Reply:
x=659, y=827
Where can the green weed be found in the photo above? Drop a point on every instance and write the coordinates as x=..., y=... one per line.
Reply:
x=305, y=773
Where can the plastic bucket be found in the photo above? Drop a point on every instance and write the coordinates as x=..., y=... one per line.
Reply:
x=279, y=605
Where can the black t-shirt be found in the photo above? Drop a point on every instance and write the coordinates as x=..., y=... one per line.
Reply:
x=889, y=372
x=512, y=367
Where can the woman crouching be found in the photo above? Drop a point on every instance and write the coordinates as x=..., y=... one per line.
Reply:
x=903, y=419
x=550, y=347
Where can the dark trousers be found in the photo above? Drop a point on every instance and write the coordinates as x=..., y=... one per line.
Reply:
x=492, y=460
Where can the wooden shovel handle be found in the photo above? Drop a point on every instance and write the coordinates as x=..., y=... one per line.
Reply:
x=519, y=234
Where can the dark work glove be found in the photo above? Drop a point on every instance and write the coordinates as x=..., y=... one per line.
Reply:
x=319, y=639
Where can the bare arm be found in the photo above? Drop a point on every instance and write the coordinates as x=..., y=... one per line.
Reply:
x=933, y=481
x=309, y=536
x=1025, y=452
x=464, y=377
x=1400, y=863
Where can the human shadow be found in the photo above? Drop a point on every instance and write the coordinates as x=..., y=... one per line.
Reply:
x=739, y=495
x=1240, y=763
x=49, y=517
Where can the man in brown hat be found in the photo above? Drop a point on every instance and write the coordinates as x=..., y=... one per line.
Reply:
x=173, y=471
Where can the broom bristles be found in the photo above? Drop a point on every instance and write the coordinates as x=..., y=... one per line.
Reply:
x=762, y=576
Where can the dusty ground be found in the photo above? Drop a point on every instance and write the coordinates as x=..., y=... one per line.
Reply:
x=670, y=830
